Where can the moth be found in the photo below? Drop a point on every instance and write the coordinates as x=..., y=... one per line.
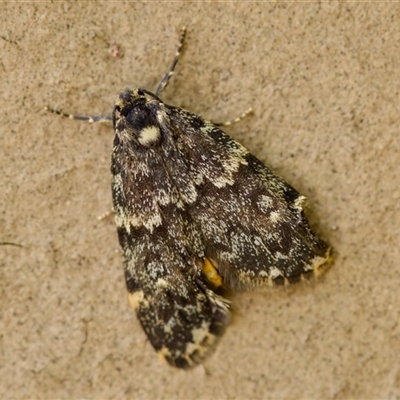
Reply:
x=196, y=212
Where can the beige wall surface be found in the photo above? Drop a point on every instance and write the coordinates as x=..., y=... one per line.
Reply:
x=324, y=82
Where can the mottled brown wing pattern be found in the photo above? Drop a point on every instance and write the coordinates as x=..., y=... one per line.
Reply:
x=187, y=196
x=252, y=221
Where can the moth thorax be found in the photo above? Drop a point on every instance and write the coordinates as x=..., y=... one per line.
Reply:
x=149, y=135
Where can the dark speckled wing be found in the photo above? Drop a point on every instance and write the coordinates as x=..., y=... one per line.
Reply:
x=162, y=246
x=252, y=222
x=185, y=192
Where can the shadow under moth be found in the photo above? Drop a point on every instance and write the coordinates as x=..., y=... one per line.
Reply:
x=196, y=212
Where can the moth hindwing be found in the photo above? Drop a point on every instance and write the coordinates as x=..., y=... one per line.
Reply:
x=195, y=211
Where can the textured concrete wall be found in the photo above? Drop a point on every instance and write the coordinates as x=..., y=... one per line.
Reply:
x=324, y=82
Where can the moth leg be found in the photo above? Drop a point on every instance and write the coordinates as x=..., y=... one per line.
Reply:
x=163, y=84
x=234, y=121
x=94, y=118
x=106, y=214
x=10, y=244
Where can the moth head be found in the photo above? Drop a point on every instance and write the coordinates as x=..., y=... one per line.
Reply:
x=135, y=118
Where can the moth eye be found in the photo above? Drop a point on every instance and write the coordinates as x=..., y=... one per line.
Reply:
x=125, y=110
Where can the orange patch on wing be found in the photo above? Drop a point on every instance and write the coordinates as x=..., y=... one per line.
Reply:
x=210, y=273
